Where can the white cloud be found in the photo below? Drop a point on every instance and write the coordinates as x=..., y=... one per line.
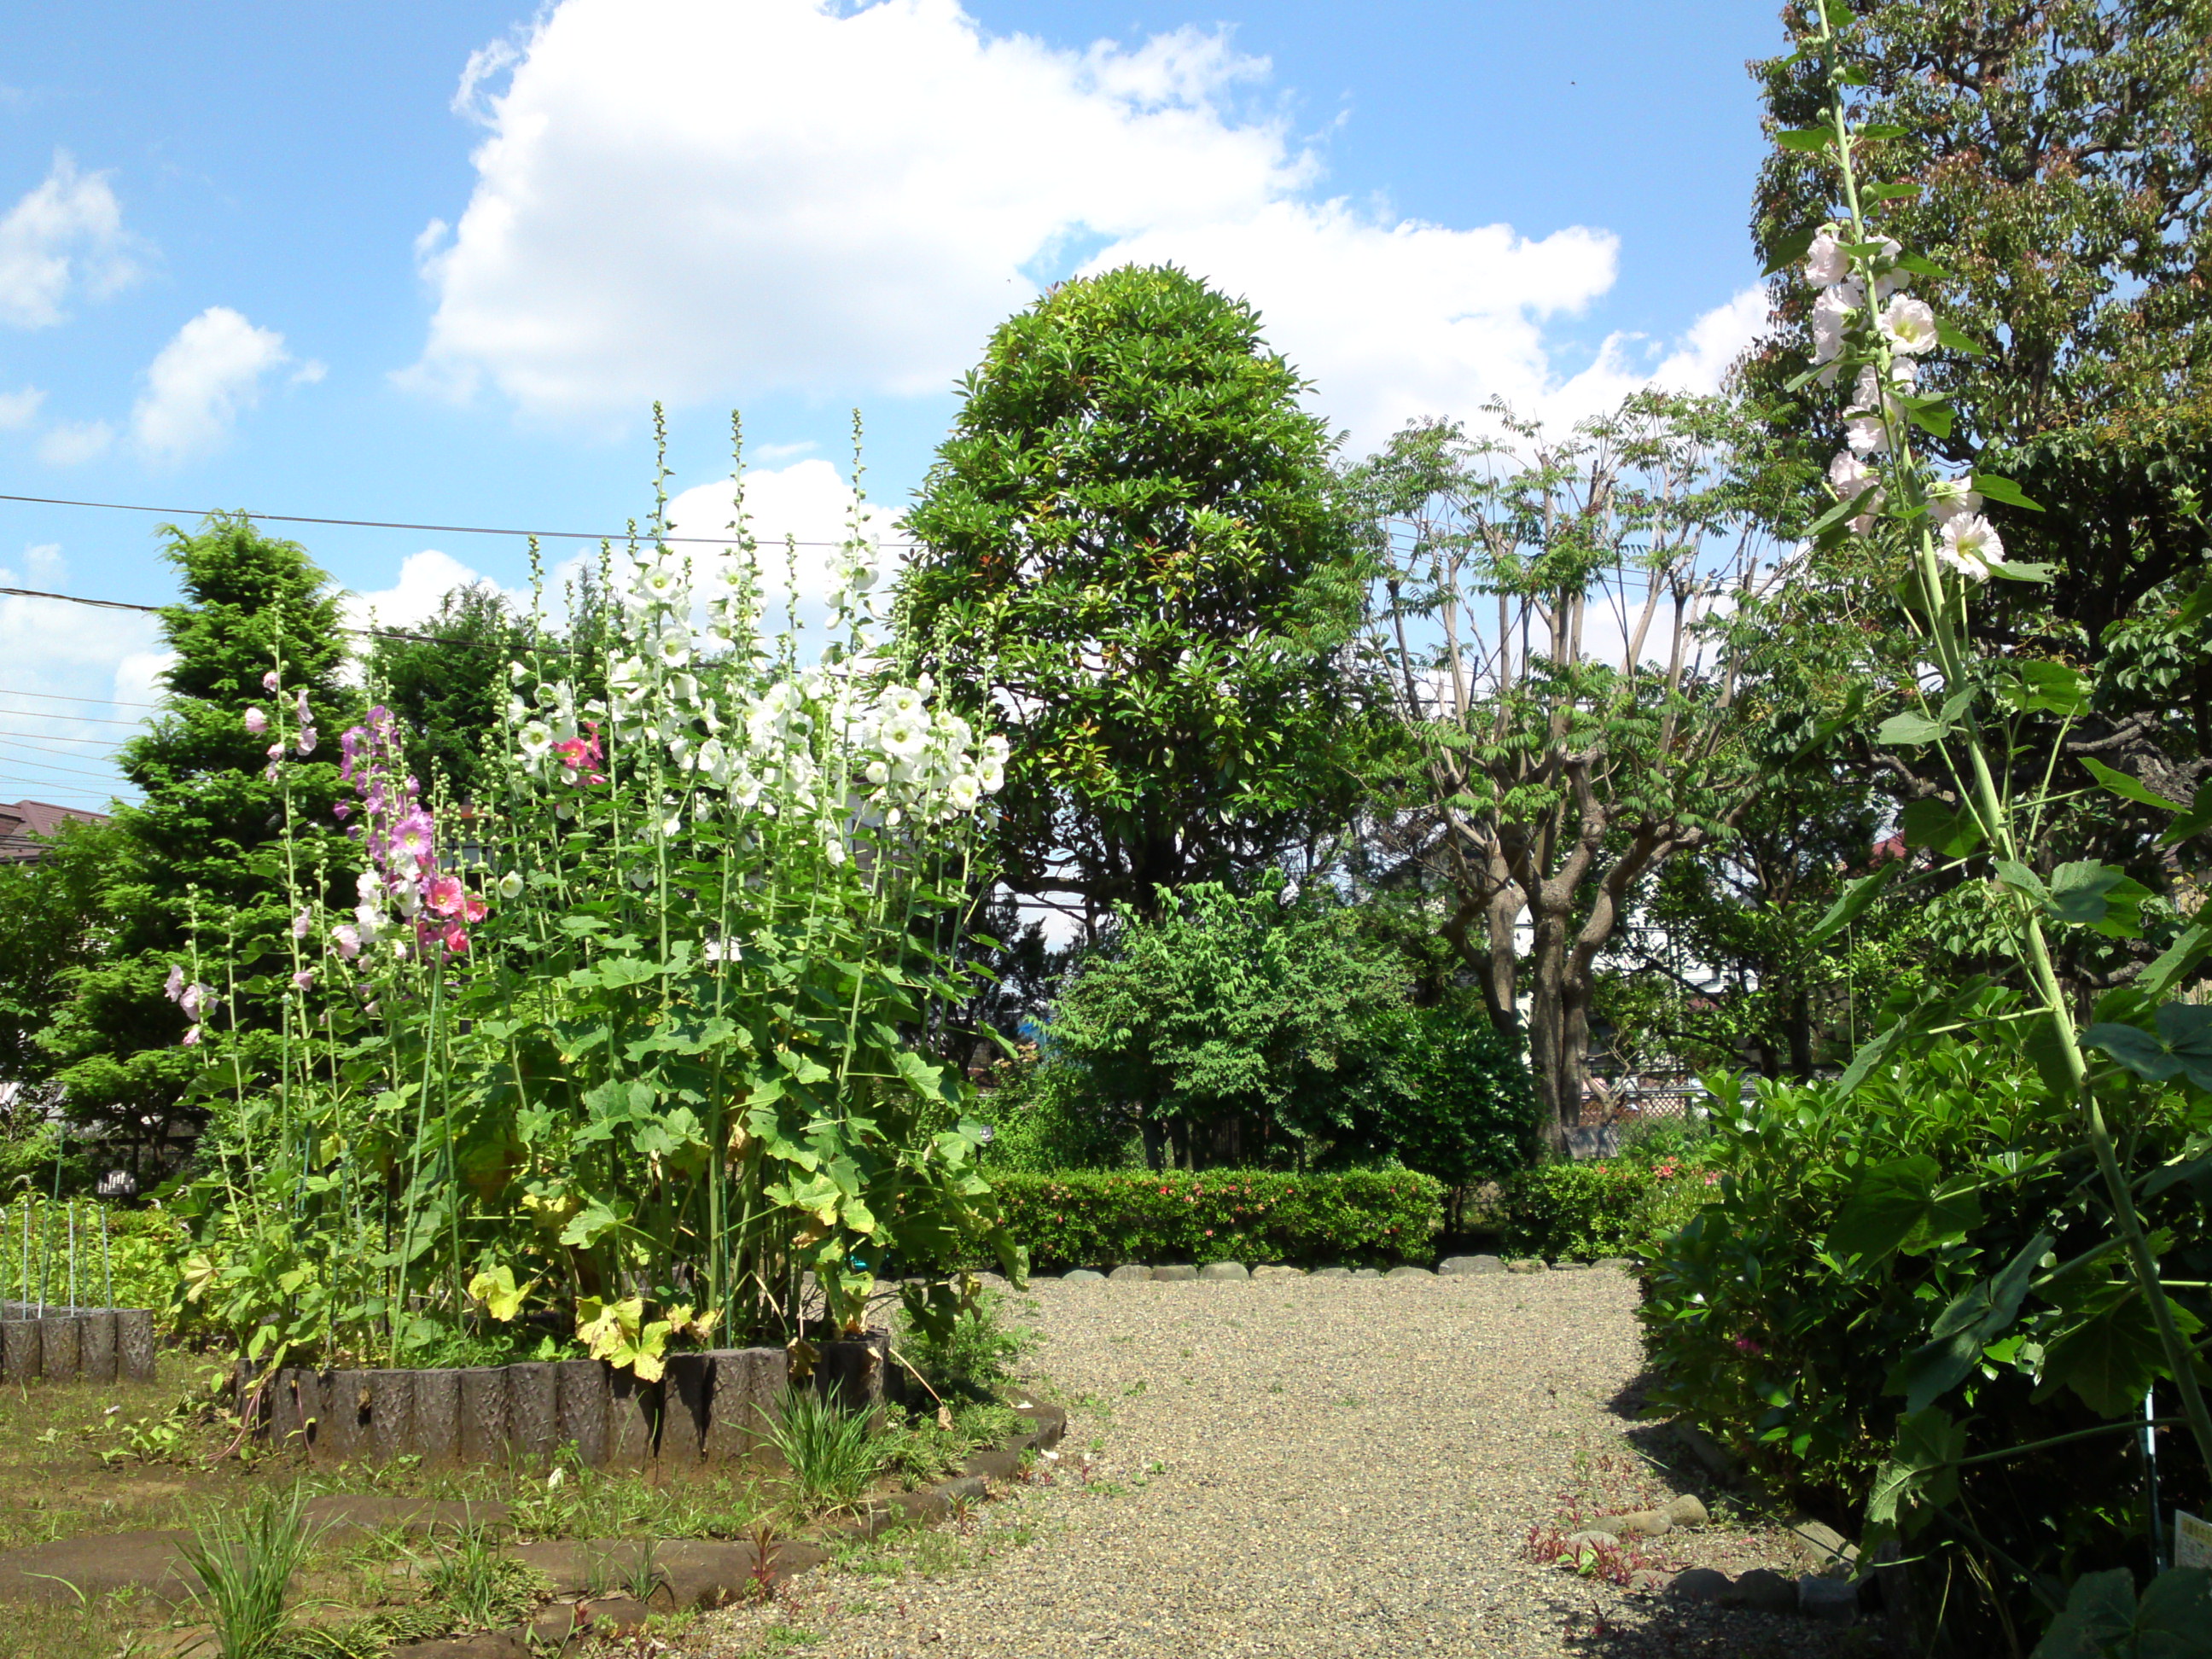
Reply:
x=200, y=382
x=19, y=408
x=1696, y=362
x=692, y=199
x=808, y=502
x=425, y=579
x=72, y=443
x=66, y=234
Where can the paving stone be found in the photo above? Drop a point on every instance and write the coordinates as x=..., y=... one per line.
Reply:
x=1831, y=1601
x=1276, y=1270
x=1620, y=1263
x=70, y=1571
x=1223, y=1270
x=1570, y=1267
x=1593, y=1538
x=1457, y=1266
x=1763, y=1590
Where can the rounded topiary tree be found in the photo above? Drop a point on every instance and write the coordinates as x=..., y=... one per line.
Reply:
x=1133, y=533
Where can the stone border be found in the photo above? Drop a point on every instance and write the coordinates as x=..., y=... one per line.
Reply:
x=1452, y=1267
x=75, y=1345
x=709, y=1407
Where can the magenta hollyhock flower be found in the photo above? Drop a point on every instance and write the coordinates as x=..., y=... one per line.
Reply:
x=474, y=909
x=414, y=835
x=444, y=894
x=256, y=721
x=341, y=811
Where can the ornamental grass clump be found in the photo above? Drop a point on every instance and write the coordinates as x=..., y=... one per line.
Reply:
x=611, y=1056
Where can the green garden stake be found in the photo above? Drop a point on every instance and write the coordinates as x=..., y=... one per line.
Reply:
x=72, y=1252
x=106, y=1265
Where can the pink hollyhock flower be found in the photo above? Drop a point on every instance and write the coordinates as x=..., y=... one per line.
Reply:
x=192, y=1037
x=300, y=923
x=413, y=834
x=256, y=721
x=457, y=939
x=275, y=752
x=341, y=811
x=174, y=987
x=347, y=937
x=444, y=894
x=300, y=704
x=303, y=979
x=269, y=681
x=474, y=909
x=193, y=999
x=308, y=739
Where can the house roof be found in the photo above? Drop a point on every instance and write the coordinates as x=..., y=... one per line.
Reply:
x=26, y=827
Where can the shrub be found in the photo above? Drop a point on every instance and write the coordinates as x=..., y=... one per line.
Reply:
x=1103, y=1218
x=1609, y=1207
x=1804, y=1352
x=141, y=1254
x=1043, y=1117
x=976, y=1355
x=1441, y=1091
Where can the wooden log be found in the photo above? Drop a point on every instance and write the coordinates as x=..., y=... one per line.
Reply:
x=392, y=1415
x=134, y=1344
x=296, y=1410
x=57, y=1348
x=486, y=1435
x=96, y=1336
x=687, y=1393
x=534, y=1407
x=581, y=1387
x=747, y=1389
x=632, y=1419
x=438, y=1415
x=20, y=1350
x=850, y=1373
x=344, y=1436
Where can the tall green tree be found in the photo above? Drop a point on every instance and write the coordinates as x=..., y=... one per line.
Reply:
x=198, y=863
x=54, y=920
x=2052, y=161
x=1134, y=533
x=1569, y=624
x=447, y=682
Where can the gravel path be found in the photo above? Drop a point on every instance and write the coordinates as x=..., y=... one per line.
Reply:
x=1295, y=1466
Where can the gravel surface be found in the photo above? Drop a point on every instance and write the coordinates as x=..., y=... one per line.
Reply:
x=1296, y=1466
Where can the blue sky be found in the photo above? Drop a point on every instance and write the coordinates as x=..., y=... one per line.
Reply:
x=430, y=262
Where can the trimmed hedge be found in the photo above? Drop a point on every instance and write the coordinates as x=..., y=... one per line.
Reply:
x=1610, y=1206
x=1103, y=1218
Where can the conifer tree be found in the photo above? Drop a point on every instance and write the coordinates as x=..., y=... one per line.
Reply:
x=195, y=861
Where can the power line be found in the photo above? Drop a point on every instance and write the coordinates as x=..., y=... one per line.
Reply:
x=380, y=524
x=50, y=788
x=157, y=609
x=73, y=720
x=38, y=739
x=49, y=697
x=32, y=764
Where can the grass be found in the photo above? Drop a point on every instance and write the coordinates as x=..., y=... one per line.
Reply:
x=244, y=1561
x=833, y=1455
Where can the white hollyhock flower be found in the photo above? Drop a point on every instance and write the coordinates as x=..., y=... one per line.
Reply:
x=1969, y=545
x=1851, y=477
x=662, y=582
x=963, y=792
x=1908, y=324
x=1949, y=498
x=536, y=739
x=510, y=884
x=833, y=849
x=1865, y=433
x=991, y=775
x=673, y=650
x=903, y=737
x=877, y=774
x=1831, y=314
x=1824, y=264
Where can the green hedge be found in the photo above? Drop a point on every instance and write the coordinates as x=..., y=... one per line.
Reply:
x=1103, y=1218
x=1609, y=1206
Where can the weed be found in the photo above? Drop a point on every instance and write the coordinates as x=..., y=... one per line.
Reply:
x=833, y=1454
x=480, y=1586
x=245, y=1567
x=644, y=1575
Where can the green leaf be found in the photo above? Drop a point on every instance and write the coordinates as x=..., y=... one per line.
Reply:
x=1993, y=487
x=2193, y=1160
x=1883, y=130
x=1897, y=1205
x=2022, y=879
x=1974, y=1319
x=1952, y=340
x=1871, y=1053
x=2048, y=688
x=2111, y=1352
x=1856, y=898
x=2181, y=1046
x=2175, y=1619
x=1951, y=833
x=2126, y=787
x=1922, y=1469
x=1918, y=264
x=1902, y=729
x=2099, y=1622
x=2175, y=961
x=2087, y=894
x=2195, y=821
x=1809, y=140
x=1789, y=251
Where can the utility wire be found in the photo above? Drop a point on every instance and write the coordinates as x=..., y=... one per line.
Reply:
x=441, y=529
x=48, y=696
x=38, y=739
